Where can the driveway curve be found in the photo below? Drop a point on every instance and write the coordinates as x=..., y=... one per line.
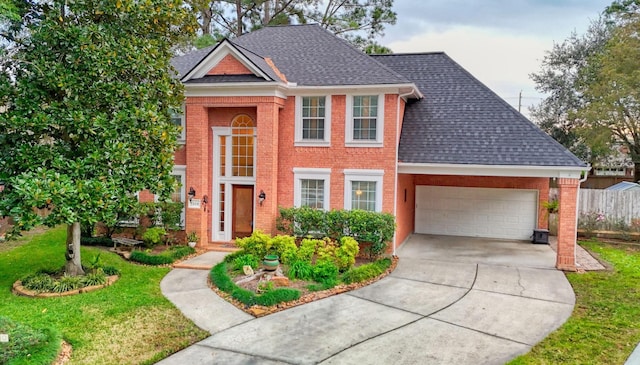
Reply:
x=451, y=300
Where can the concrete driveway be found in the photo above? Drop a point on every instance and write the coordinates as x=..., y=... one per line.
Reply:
x=451, y=300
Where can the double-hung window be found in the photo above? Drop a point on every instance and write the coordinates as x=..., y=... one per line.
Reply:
x=313, y=120
x=311, y=188
x=178, y=119
x=363, y=190
x=365, y=123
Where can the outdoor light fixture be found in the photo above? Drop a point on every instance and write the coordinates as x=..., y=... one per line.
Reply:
x=205, y=200
x=262, y=197
x=358, y=192
x=192, y=193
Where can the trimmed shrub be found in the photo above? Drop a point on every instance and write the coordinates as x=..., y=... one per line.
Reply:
x=308, y=249
x=364, y=226
x=220, y=278
x=96, y=241
x=258, y=244
x=275, y=296
x=234, y=255
x=153, y=236
x=345, y=254
x=285, y=247
x=366, y=271
x=167, y=257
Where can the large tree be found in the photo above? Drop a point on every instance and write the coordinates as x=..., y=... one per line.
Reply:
x=611, y=113
x=88, y=96
x=358, y=21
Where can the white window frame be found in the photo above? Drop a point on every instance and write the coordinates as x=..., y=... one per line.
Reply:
x=300, y=174
x=182, y=171
x=299, y=141
x=182, y=138
x=363, y=175
x=348, y=132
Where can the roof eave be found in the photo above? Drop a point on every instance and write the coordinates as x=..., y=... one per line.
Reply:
x=573, y=172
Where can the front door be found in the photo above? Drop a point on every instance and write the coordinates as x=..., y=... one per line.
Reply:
x=242, y=221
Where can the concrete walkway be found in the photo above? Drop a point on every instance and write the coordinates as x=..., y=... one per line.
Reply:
x=451, y=300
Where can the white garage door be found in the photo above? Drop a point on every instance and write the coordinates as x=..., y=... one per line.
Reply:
x=476, y=212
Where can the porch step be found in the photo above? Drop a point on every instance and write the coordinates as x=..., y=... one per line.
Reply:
x=221, y=247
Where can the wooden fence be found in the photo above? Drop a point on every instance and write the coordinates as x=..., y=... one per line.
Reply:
x=615, y=205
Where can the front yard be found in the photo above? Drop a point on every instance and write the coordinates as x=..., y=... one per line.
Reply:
x=605, y=325
x=129, y=322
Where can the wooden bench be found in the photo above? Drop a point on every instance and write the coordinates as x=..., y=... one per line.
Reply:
x=125, y=242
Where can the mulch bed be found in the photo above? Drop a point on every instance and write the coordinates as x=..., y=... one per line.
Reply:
x=306, y=295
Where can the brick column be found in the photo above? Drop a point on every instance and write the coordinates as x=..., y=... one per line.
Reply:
x=267, y=166
x=567, y=230
x=197, y=156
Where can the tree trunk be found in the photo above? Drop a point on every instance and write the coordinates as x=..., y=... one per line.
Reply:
x=267, y=13
x=73, y=267
x=239, y=17
x=636, y=172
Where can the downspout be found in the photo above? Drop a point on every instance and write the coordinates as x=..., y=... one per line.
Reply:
x=395, y=188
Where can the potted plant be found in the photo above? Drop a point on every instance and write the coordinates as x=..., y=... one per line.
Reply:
x=192, y=239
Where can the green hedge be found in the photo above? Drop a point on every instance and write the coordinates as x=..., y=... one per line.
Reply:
x=96, y=241
x=168, y=257
x=366, y=271
x=364, y=226
x=220, y=278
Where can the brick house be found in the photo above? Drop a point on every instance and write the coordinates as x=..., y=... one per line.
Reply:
x=291, y=115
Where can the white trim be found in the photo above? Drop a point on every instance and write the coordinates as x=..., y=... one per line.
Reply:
x=235, y=89
x=216, y=55
x=351, y=175
x=298, y=140
x=492, y=170
x=409, y=89
x=311, y=174
x=348, y=131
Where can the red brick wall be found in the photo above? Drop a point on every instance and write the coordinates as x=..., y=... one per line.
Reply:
x=568, y=199
x=533, y=183
x=338, y=157
x=405, y=209
x=229, y=65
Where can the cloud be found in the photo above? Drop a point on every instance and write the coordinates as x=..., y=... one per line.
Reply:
x=502, y=61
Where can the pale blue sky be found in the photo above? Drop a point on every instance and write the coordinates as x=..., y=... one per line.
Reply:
x=500, y=42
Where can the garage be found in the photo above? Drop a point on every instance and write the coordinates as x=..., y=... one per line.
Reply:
x=476, y=212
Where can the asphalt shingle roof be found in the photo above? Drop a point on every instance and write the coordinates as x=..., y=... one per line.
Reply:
x=461, y=121
x=312, y=56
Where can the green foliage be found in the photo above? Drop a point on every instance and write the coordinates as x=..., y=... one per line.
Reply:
x=248, y=259
x=220, y=278
x=165, y=258
x=117, y=309
x=258, y=244
x=95, y=278
x=345, y=254
x=88, y=100
x=192, y=237
x=358, y=21
x=371, y=227
x=366, y=271
x=326, y=250
x=67, y=283
x=96, y=241
x=326, y=272
x=234, y=255
x=40, y=282
x=110, y=270
x=275, y=296
x=551, y=206
x=308, y=249
x=27, y=344
x=300, y=270
x=285, y=247
x=153, y=236
x=171, y=215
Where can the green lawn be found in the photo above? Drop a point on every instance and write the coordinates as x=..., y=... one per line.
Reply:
x=605, y=325
x=129, y=322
